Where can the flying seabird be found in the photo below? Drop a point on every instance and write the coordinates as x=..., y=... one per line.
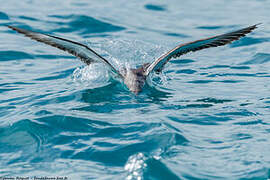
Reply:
x=134, y=78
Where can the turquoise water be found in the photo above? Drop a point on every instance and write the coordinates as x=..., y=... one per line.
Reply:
x=205, y=117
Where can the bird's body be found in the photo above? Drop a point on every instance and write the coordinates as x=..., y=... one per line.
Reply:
x=134, y=79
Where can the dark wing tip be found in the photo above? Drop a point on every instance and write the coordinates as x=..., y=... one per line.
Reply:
x=257, y=24
x=14, y=28
x=254, y=26
x=251, y=28
x=37, y=37
x=23, y=31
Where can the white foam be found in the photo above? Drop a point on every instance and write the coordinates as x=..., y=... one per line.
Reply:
x=93, y=76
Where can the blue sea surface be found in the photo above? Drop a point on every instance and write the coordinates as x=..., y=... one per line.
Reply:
x=207, y=116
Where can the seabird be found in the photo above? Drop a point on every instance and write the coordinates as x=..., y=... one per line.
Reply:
x=134, y=79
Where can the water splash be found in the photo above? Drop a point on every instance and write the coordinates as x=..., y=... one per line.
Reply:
x=128, y=53
x=93, y=76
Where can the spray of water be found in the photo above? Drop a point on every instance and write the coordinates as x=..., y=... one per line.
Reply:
x=93, y=76
x=121, y=54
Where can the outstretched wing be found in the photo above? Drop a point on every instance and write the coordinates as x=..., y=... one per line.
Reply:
x=79, y=50
x=181, y=49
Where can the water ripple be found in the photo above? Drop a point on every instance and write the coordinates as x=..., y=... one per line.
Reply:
x=259, y=58
x=154, y=7
x=14, y=55
x=3, y=16
x=247, y=41
x=84, y=24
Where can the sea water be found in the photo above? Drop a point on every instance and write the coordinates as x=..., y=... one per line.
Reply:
x=205, y=117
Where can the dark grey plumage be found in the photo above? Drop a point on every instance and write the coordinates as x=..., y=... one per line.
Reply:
x=135, y=78
x=83, y=52
x=214, y=41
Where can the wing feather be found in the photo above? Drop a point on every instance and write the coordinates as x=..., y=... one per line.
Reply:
x=181, y=49
x=83, y=52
